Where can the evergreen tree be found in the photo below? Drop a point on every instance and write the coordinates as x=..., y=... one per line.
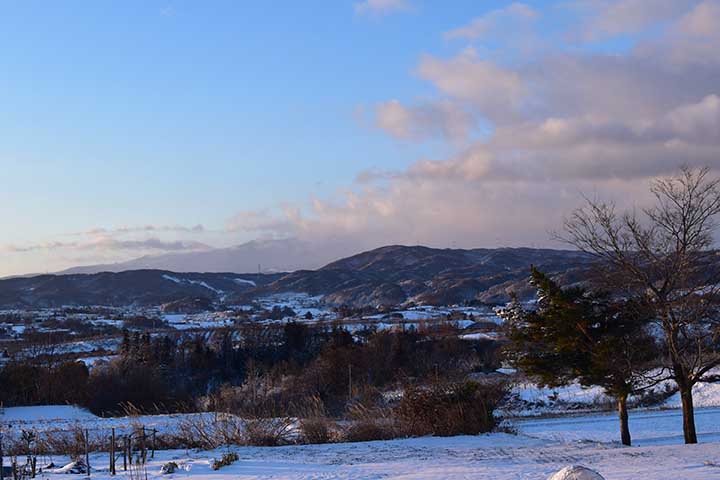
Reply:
x=576, y=334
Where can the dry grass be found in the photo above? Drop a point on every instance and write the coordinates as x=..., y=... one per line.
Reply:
x=465, y=408
x=269, y=432
x=369, y=423
x=209, y=431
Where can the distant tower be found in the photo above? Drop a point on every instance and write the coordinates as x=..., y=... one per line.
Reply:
x=259, y=269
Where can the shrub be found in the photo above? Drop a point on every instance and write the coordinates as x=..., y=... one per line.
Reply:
x=268, y=432
x=368, y=424
x=210, y=431
x=316, y=430
x=315, y=426
x=465, y=408
x=368, y=431
x=66, y=442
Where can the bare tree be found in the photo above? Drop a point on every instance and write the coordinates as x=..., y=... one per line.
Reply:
x=665, y=253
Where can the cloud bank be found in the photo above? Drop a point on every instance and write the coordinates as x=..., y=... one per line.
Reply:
x=538, y=130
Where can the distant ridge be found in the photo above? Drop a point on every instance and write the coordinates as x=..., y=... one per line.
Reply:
x=270, y=255
x=386, y=276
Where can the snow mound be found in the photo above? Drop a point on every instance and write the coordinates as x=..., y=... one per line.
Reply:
x=44, y=413
x=77, y=468
x=576, y=472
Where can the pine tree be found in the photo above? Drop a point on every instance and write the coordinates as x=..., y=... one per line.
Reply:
x=576, y=334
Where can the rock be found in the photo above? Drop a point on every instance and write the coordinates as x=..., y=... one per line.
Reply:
x=168, y=468
x=576, y=472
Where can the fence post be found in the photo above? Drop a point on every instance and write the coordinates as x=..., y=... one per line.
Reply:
x=87, y=454
x=112, y=452
x=143, y=446
x=2, y=475
x=125, y=453
x=154, y=439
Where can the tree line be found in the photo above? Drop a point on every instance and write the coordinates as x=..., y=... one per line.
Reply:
x=252, y=369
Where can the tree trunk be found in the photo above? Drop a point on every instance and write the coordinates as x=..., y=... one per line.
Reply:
x=624, y=426
x=688, y=414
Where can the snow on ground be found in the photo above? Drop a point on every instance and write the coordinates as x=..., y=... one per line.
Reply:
x=89, y=345
x=44, y=413
x=437, y=313
x=172, y=279
x=496, y=457
x=107, y=322
x=704, y=395
x=480, y=336
x=91, y=361
x=192, y=282
x=650, y=427
x=530, y=399
x=300, y=303
x=59, y=418
x=542, y=447
x=197, y=321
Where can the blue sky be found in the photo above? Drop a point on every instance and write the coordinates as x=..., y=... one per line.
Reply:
x=107, y=106
x=134, y=113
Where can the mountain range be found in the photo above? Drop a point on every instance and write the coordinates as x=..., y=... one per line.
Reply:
x=386, y=276
x=268, y=256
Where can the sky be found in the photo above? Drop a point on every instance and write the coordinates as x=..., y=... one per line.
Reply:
x=145, y=127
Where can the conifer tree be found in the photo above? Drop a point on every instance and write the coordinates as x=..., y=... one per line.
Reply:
x=576, y=334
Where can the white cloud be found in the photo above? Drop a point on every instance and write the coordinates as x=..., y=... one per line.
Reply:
x=701, y=21
x=381, y=7
x=419, y=122
x=495, y=91
x=488, y=23
x=145, y=228
x=606, y=18
x=696, y=37
x=111, y=244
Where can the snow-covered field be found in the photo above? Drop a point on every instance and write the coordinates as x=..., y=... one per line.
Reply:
x=541, y=447
x=650, y=427
x=55, y=418
x=496, y=456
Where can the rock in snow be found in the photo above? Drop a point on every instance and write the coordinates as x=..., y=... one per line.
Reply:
x=576, y=472
x=169, y=468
